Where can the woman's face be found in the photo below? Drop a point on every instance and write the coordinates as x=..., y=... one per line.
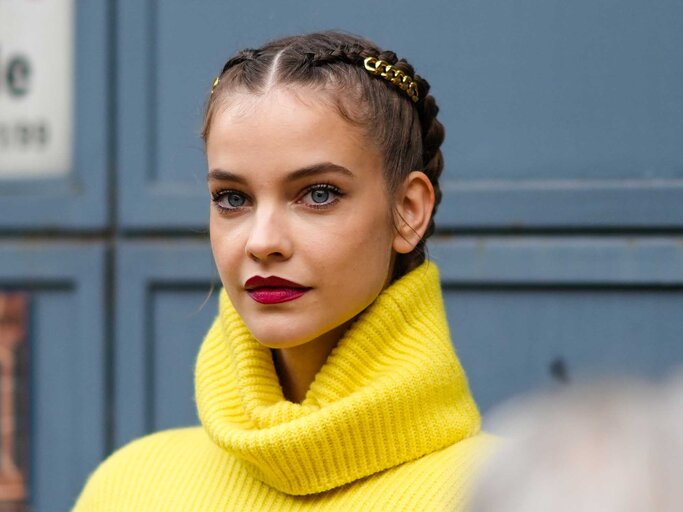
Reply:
x=298, y=194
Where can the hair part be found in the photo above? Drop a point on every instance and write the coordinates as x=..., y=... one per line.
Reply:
x=406, y=133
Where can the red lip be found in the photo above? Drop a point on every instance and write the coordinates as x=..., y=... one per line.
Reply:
x=270, y=282
x=273, y=289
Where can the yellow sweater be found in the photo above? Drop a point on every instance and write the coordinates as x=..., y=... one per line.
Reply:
x=388, y=423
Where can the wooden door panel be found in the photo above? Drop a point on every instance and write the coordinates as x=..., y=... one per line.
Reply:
x=530, y=312
x=557, y=115
x=164, y=306
x=65, y=287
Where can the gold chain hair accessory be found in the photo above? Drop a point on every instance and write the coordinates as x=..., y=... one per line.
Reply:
x=394, y=75
x=215, y=84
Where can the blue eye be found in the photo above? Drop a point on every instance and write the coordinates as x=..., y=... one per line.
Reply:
x=229, y=200
x=320, y=195
x=235, y=200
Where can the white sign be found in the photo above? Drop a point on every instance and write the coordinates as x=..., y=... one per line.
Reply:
x=36, y=88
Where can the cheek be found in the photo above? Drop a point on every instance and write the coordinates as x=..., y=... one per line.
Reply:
x=226, y=246
x=358, y=244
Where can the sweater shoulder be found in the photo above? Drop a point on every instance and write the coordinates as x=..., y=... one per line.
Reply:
x=444, y=478
x=132, y=463
x=440, y=480
x=138, y=452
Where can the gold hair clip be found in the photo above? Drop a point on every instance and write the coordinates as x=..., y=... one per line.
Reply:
x=215, y=84
x=395, y=76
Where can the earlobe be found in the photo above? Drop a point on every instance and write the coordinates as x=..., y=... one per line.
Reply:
x=413, y=211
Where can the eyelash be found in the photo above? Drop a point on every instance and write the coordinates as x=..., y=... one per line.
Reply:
x=217, y=196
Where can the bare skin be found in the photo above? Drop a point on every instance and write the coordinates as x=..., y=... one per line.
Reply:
x=297, y=366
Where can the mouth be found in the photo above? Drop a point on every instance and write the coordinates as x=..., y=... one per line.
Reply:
x=273, y=289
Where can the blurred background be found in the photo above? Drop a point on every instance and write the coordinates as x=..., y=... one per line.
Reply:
x=560, y=235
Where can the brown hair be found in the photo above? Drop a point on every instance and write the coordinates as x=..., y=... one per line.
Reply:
x=407, y=133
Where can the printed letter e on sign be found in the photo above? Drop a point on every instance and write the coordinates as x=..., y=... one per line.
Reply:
x=15, y=75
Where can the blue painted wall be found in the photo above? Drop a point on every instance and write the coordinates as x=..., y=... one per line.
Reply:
x=560, y=235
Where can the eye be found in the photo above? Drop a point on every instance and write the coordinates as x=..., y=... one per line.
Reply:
x=229, y=200
x=234, y=199
x=321, y=195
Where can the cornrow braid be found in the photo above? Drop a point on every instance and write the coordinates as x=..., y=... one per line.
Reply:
x=242, y=56
x=350, y=54
x=407, y=133
x=433, y=134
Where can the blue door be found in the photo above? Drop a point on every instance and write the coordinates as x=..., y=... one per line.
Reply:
x=559, y=235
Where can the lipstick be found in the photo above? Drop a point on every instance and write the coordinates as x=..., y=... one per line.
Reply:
x=273, y=289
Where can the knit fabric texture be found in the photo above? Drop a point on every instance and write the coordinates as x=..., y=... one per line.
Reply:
x=388, y=423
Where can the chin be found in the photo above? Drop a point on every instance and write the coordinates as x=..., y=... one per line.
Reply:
x=279, y=338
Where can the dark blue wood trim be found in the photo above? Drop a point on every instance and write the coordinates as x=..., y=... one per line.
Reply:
x=141, y=267
x=559, y=261
x=79, y=200
x=576, y=204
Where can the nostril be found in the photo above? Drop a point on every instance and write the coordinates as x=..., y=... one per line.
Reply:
x=265, y=253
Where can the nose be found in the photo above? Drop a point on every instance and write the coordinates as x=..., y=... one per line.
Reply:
x=269, y=238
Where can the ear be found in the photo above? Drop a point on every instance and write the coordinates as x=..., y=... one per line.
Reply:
x=413, y=211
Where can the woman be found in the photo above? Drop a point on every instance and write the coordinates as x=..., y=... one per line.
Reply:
x=327, y=381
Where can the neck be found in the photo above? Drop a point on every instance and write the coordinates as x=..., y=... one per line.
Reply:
x=297, y=366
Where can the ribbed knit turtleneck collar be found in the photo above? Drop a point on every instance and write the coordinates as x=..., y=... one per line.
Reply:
x=391, y=391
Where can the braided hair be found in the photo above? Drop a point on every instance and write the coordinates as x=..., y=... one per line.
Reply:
x=407, y=134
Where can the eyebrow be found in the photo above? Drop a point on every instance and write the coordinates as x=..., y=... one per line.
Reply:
x=304, y=172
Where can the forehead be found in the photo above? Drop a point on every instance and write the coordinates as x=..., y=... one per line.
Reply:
x=285, y=128
x=296, y=106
